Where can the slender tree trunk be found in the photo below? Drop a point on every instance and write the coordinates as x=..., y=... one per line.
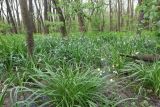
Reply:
x=80, y=14
x=50, y=10
x=27, y=22
x=31, y=11
x=132, y=15
x=46, y=29
x=1, y=4
x=13, y=11
x=61, y=18
x=132, y=9
x=103, y=22
x=116, y=15
x=119, y=15
x=17, y=13
x=39, y=15
x=81, y=21
x=3, y=13
x=128, y=14
x=11, y=17
x=110, y=15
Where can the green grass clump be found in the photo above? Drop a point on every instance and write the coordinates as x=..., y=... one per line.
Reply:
x=72, y=78
x=150, y=77
x=2, y=95
x=146, y=76
x=69, y=88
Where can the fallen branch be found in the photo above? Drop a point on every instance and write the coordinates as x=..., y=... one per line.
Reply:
x=146, y=57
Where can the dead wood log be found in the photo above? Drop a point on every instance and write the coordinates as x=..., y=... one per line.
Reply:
x=145, y=57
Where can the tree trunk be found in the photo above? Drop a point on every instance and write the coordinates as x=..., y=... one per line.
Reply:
x=61, y=18
x=17, y=13
x=1, y=4
x=3, y=13
x=39, y=15
x=46, y=30
x=31, y=11
x=132, y=9
x=50, y=10
x=27, y=22
x=119, y=15
x=110, y=15
x=81, y=21
x=11, y=17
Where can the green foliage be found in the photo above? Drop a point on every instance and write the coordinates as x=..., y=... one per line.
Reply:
x=2, y=95
x=4, y=27
x=60, y=64
x=151, y=13
x=69, y=88
x=147, y=76
x=12, y=52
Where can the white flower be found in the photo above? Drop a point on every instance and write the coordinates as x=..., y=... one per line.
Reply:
x=109, y=69
x=137, y=53
x=98, y=69
x=111, y=80
x=96, y=49
x=39, y=60
x=16, y=68
x=102, y=72
x=98, y=39
x=102, y=59
x=115, y=72
x=64, y=58
x=117, y=65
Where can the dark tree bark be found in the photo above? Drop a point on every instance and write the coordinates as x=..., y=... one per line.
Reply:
x=2, y=12
x=1, y=4
x=81, y=21
x=128, y=14
x=119, y=15
x=11, y=17
x=80, y=14
x=11, y=2
x=110, y=15
x=50, y=10
x=31, y=11
x=132, y=9
x=39, y=16
x=145, y=57
x=27, y=22
x=61, y=18
x=102, y=25
x=46, y=30
x=17, y=13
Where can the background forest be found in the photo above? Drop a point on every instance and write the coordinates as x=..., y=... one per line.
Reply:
x=79, y=53
x=49, y=16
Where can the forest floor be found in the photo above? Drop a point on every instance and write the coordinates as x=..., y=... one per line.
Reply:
x=127, y=97
x=127, y=82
